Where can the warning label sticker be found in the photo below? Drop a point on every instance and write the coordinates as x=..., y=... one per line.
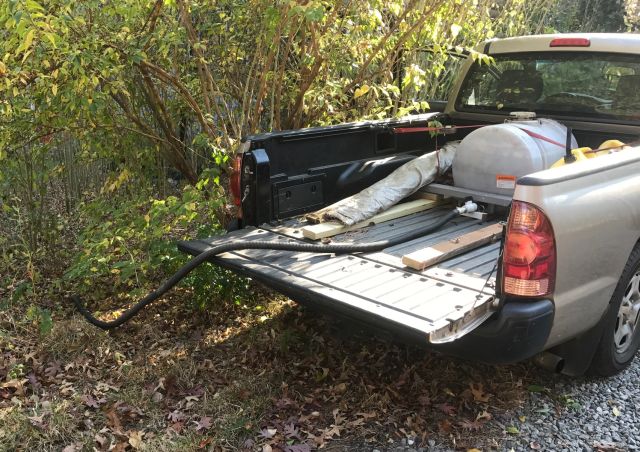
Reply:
x=505, y=181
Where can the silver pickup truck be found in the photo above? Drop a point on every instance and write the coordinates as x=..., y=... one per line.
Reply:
x=563, y=285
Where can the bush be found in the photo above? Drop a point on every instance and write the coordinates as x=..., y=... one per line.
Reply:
x=128, y=244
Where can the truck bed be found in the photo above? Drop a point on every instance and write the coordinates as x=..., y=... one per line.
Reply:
x=441, y=303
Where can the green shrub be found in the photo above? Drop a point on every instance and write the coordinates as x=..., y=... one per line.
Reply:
x=128, y=245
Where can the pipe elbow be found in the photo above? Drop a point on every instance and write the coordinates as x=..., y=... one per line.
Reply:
x=468, y=207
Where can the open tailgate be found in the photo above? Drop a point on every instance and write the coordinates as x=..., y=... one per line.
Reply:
x=442, y=303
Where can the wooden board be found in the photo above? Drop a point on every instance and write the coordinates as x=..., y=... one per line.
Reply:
x=426, y=195
x=331, y=228
x=427, y=257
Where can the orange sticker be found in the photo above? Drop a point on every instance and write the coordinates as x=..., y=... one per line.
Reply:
x=505, y=181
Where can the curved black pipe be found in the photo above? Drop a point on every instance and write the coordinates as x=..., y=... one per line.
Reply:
x=338, y=248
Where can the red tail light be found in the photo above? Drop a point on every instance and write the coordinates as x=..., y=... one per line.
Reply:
x=570, y=42
x=529, y=262
x=234, y=180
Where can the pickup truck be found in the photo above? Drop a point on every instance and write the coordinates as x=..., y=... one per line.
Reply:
x=562, y=286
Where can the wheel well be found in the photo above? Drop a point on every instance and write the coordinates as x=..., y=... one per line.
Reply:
x=579, y=352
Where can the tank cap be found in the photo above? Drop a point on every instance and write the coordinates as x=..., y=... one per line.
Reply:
x=522, y=115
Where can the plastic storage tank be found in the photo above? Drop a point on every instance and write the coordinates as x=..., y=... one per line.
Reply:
x=492, y=158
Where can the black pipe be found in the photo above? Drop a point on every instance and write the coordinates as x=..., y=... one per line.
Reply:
x=338, y=248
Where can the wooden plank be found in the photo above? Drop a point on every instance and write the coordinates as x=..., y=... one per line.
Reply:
x=439, y=252
x=426, y=195
x=331, y=228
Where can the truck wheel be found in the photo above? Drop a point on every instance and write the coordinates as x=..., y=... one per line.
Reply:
x=621, y=334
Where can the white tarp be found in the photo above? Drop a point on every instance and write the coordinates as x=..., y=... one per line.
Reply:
x=387, y=192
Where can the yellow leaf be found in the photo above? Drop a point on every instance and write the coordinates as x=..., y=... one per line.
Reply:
x=32, y=5
x=364, y=89
x=28, y=40
x=54, y=89
x=474, y=450
x=52, y=39
x=26, y=55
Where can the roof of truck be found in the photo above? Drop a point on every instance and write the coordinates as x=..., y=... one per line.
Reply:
x=597, y=42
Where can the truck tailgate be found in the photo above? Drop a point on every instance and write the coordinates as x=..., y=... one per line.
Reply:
x=442, y=302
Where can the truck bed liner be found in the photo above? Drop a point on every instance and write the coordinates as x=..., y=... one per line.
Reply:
x=441, y=302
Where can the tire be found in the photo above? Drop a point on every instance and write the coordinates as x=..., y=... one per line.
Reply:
x=621, y=332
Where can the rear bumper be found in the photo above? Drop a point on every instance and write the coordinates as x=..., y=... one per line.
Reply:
x=519, y=331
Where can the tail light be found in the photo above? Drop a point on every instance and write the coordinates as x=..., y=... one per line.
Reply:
x=570, y=42
x=529, y=262
x=234, y=180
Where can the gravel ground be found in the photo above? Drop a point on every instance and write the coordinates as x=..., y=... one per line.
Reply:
x=600, y=414
x=567, y=414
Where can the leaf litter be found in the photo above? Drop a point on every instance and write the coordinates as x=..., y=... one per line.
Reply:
x=292, y=382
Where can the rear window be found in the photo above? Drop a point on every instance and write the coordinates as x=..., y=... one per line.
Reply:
x=582, y=84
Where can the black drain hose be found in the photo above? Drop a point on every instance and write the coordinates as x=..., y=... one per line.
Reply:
x=338, y=248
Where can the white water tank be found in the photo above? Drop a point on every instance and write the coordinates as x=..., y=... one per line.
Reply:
x=491, y=159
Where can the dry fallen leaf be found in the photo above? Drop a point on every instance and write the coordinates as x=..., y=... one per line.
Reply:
x=447, y=409
x=135, y=439
x=445, y=426
x=333, y=431
x=120, y=447
x=340, y=388
x=268, y=433
x=89, y=401
x=38, y=421
x=176, y=416
x=15, y=384
x=204, y=423
x=470, y=425
x=177, y=426
x=113, y=421
x=101, y=440
x=479, y=395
